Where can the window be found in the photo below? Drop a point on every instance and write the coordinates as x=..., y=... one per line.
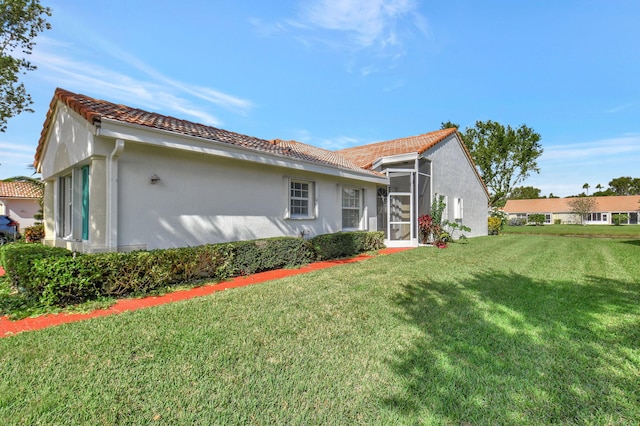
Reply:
x=351, y=208
x=65, y=206
x=85, y=203
x=301, y=199
x=72, y=220
x=457, y=208
x=596, y=217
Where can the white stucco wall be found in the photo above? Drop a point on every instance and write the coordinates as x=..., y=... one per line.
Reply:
x=454, y=177
x=70, y=143
x=205, y=199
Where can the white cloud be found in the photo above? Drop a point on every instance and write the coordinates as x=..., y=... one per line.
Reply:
x=339, y=142
x=565, y=168
x=620, y=108
x=374, y=26
x=12, y=147
x=372, y=22
x=596, y=150
x=331, y=144
x=159, y=92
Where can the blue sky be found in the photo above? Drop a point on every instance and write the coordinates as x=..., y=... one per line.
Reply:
x=339, y=73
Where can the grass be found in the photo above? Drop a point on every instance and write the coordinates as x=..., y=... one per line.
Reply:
x=503, y=330
x=607, y=231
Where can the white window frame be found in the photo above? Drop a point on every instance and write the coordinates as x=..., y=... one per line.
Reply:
x=458, y=209
x=358, y=199
x=445, y=213
x=292, y=196
x=65, y=207
x=69, y=219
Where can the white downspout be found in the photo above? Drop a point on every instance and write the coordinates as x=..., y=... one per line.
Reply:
x=112, y=195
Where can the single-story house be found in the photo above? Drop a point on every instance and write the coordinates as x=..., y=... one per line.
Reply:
x=119, y=178
x=20, y=201
x=558, y=209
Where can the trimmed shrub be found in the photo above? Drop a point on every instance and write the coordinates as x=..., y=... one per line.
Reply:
x=619, y=218
x=343, y=244
x=55, y=278
x=87, y=277
x=18, y=259
x=537, y=219
x=272, y=253
x=517, y=222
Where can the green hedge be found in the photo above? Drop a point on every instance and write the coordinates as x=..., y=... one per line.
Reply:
x=87, y=277
x=18, y=259
x=274, y=253
x=344, y=244
x=56, y=278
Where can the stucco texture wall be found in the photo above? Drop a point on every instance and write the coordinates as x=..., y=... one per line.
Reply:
x=206, y=199
x=454, y=177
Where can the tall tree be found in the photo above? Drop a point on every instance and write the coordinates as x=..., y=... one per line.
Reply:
x=449, y=125
x=21, y=21
x=625, y=185
x=586, y=187
x=582, y=206
x=524, y=193
x=504, y=156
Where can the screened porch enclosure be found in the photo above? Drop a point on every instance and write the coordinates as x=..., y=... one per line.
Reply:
x=407, y=197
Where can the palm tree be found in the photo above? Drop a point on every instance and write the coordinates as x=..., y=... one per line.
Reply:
x=599, y=187
x=586, y=186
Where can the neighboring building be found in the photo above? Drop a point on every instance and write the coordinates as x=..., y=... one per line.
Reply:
x=120, y=178
x=20, y=201
x=558, y=209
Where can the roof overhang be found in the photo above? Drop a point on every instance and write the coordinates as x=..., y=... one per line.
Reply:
x=392, y=159
x=163, y=138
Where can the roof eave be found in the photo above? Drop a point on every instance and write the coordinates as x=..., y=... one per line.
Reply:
x=136, y=133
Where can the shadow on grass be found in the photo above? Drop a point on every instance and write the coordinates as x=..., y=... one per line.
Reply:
x=504, y=349
x=633, y=242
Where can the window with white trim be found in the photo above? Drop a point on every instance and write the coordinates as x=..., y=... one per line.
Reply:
x=351, y=208
x=65, y=206
x=72, y=219
x=301, y=199
x=458, y=208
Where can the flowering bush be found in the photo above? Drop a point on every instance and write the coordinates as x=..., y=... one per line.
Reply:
x=495, y=225
x=34, y=233
x=431, y=232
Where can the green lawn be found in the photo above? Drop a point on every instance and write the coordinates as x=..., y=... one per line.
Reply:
x=624, y=231
x=514, y=329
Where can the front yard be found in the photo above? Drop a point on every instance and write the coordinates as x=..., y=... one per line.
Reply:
x=515, y=329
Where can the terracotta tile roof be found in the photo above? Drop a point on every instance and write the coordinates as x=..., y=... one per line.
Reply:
x=19, y=190
x=319, y=155
x=95, y=110
x=620, y=203
x=366, y=155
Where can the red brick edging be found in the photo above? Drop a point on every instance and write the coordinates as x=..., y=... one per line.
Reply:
x=8, y=327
